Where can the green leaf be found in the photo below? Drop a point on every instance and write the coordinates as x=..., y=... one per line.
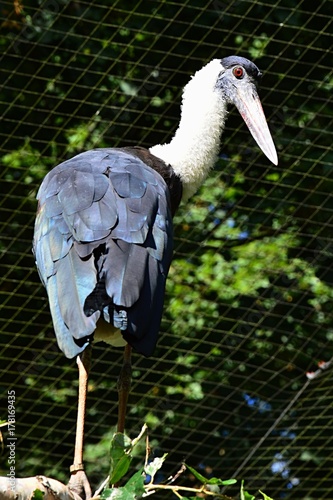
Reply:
x=212, y=480
x=265, y=496
x=133, y=489
x=120, y=442
x=197, y=475
x=244, y=495
x=119, y=468
x=38, y=495
x=221, y=482
x=119, y=457
x=120, y=454
x=135, y=485
x=112, y=493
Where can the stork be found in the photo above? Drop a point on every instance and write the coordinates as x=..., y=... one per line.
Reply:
x=103, y=232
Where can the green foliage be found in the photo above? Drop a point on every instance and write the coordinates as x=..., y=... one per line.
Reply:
x=211, y=480
x=265, y=497
x=141, y=483
x=253, y=256
x=244, y=495
x=120, y=457
x=99, y=453
x=121, y=454
x=84, y=135
x=131, y=490
x=27, y=163
x=38, y=495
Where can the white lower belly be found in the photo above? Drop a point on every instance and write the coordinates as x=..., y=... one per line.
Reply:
x=108, y=333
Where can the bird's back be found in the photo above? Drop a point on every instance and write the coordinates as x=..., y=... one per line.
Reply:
x=103, y=245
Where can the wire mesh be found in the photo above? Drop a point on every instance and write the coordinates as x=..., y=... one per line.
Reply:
x=249, y=297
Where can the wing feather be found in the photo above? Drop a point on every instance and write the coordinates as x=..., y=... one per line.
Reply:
x=103, y=246
x=125, y=272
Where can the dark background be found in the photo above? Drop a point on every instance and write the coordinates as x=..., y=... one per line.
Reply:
x=249, y=298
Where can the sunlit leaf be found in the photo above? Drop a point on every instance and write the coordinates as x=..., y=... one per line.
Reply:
x=211, y=480
x=133, y=489
x=197, y=475
x=266, y=497
x=155, y=465
x=120, y=458
x=38, y=495
x=221, y=482
x=135, y=485
x=119, y=468
x=113, y=493
x=244, y=495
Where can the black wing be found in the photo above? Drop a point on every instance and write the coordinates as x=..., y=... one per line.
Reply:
x=103, y=247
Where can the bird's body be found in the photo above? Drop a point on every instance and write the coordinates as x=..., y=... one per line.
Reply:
x=104, y=246
x=103, y=233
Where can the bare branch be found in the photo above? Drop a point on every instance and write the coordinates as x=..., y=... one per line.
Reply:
x=24, y=489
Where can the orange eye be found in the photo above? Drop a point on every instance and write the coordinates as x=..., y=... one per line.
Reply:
x=238, y=72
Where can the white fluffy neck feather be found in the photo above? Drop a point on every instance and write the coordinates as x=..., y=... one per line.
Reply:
x=194, y=149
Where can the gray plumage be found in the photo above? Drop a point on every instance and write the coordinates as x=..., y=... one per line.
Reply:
x=103, y=233
x=103, y=247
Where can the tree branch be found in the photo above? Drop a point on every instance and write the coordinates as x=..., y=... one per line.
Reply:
x=12, y=489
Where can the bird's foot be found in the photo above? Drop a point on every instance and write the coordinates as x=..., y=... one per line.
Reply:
x=79, y=483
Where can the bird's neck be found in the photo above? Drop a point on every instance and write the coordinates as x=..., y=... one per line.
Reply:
x=194, y=149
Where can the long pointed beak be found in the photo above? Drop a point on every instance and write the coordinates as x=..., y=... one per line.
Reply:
x=250, y=108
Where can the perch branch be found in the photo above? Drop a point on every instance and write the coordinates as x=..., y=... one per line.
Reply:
x=12, y=489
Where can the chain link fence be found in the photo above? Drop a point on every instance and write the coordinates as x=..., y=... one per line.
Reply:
x=240, y=384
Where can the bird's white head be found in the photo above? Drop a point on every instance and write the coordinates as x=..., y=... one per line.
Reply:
x=194, y=149
x=238, y=84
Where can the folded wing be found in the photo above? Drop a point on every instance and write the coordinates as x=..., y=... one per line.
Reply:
x=103, y=247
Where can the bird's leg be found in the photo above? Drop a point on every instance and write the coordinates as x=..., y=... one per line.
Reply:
x=124, y=386
x=78, y=481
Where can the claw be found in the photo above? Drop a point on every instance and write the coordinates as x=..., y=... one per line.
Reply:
x=79, y=484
